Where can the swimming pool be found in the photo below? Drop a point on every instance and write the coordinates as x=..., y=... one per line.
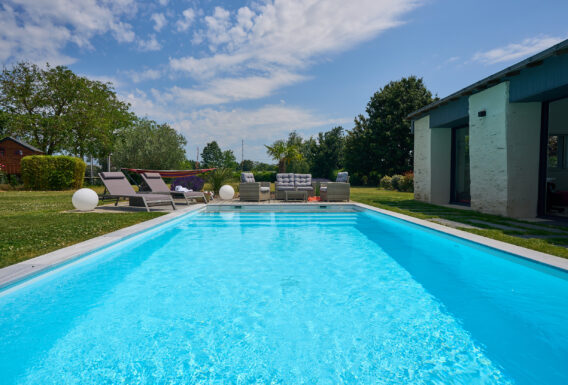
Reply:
x=286, y=298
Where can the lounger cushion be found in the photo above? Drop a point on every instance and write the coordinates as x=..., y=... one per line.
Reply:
x=342, y=177
x=265, y=189
x=285, y=180
x=303, y=180
x=304, y=188
x=112, y=175
x=247, y=177
x=152, y=175
x=323, y=188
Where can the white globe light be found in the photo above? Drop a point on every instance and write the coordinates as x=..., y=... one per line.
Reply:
x=85, y=199
x=227, y=192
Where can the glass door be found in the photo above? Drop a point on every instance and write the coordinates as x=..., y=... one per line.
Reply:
x=460, y=166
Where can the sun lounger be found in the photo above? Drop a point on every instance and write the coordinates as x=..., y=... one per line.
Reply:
x=250, y=190
x=156, y=185
x=117, y=186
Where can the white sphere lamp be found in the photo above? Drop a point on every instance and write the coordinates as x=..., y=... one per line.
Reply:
x=227, y=192
x=85, y=199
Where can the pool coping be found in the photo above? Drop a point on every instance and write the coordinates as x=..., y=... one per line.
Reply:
x=21, y=271
x=13, y=274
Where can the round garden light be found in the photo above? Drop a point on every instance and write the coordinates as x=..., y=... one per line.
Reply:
x=85, y=199
x=227, y=192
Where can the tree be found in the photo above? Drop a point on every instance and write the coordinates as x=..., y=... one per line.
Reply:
x=229, y=160
x=56, y=110
x=247, y=165
x=283, y=153
x=149, y=145
x=381, y=143
x=325, y=154
x=212, y=156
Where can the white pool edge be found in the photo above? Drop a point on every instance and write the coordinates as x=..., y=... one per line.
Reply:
x=21, y=271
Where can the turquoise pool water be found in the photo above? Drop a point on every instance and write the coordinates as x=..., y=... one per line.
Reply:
x=283, y=298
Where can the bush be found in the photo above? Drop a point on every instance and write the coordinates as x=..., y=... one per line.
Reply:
x=265, y=176
x=47, y=172
x=219, y=177
x=407, y=182
x=395, y=181
x=386, y=182
x=191, y=182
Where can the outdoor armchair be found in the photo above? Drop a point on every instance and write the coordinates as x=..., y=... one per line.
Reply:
x=338, y=190
x=117, y=186
x=154, y=182
x=284, y=182
x=250, y=190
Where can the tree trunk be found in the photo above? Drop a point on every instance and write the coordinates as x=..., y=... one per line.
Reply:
x=282, y=166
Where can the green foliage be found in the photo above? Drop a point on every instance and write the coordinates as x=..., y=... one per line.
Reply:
x=382, y=142
x=58, y=111
x=229, y=160
x=407, y=182
x=286, y=153
x=386, y=182
x=47, y=172
x=217, y=178
x=325, y=155
x=212, y=156
x=147, y=144
x=395, y=181
x=247, y=165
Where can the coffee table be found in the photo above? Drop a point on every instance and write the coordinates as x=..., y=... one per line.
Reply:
x=296, y=195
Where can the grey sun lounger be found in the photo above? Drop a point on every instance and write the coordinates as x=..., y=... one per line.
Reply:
x=117, y=186
x=156, y=184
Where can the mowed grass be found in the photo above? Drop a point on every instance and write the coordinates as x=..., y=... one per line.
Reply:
x=404, y=203
x=35, y=222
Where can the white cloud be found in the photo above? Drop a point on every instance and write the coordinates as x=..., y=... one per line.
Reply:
x=279, y=37
x=159, y=20
x=149, y=45
x=39, y=30
x=229, y=126
x=147, y=74
x=163, y=2
x=516, y=51
x=185, y=22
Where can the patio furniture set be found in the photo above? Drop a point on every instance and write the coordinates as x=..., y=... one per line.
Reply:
x=155, y=192
x=291, y=186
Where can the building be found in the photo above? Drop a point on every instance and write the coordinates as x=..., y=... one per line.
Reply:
x=499, y=145
x=12, y=151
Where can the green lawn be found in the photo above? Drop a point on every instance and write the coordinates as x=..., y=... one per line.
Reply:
x=522, y=233
x=34, y=223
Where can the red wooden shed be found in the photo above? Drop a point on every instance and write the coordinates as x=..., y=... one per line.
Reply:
x=12, y=151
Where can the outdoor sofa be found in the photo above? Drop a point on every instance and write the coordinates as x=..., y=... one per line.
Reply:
x=250, y=190
x=293, y=182
x=336, y=191
x=117, y=186
x=154, y=182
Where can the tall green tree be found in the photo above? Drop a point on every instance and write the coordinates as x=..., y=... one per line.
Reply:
x=212, y=156
x=57, y=111
x=284, y=153
x=326, y=153
x=147, y=144
x=381, y=142
x=229, y=160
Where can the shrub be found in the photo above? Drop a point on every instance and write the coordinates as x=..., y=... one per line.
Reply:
x=219, y=177
x=265, y=176
x=191, y=182
x=407, y=182
x=386, y=182
x=395, y=181
x=47, y=172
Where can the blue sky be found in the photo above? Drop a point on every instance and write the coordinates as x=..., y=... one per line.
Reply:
x=256, y=70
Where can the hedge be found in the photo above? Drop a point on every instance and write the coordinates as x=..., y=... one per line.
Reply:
x=48, y=172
